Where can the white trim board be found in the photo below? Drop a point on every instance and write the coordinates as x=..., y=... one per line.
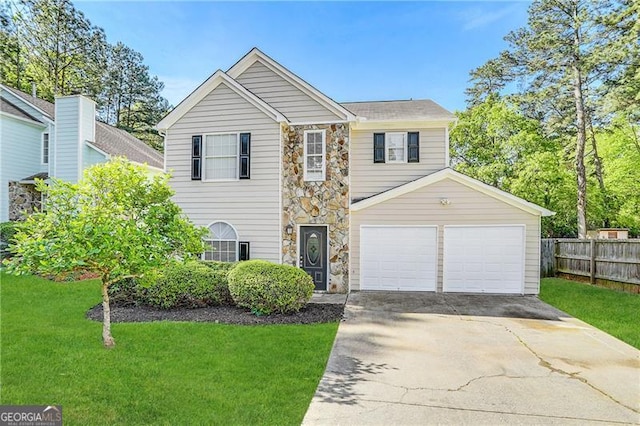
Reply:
x=256, y=55
x=26, y=120
x=457, y=177
x=205, y=88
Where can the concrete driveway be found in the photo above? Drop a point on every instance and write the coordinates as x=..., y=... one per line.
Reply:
x=425, y=358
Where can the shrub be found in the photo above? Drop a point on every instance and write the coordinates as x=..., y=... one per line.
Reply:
x=266, y=287
x=126, y=292
x=219, y=266
x=7, y=231
x=189, y=284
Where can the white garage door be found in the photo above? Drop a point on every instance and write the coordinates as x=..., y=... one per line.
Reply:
x=398, y=258
x=483, y=259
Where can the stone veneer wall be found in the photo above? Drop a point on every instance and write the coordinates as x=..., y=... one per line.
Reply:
x=323, y=203
x=23, y=199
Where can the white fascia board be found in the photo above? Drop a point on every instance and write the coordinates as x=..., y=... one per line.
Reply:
x=255, y=54
x=460, y=178
x=92, y=146
x=205, y=88
x=364, y=124
x=44, y=114
x=25, y=120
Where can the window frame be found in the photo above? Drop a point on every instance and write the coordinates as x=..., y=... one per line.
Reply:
x=306, y=176
x=387, y=147
x=42, y=148
x=205, y=157
x=209, y=242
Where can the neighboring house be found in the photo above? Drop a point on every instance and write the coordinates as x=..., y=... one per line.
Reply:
x=360, y=194
x=40, y=139
x=612, y=234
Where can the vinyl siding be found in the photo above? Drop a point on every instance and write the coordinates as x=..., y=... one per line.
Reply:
x=20, y=103
x=67, y=138
x=90, y=157
x=297, y=106
x=369, y=178
x=20, y=155
x=468, y=207
x=251, y=206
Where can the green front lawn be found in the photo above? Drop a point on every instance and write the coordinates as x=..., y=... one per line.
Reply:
x=158, y=373
x=612, y=311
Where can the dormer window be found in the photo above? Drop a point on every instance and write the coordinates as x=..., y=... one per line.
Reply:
x=396, y=147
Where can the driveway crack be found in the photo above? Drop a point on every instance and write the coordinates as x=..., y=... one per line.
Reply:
x=480, y=410
x=546, y=364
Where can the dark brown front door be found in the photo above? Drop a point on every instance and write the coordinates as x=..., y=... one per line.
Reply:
x=313, y=254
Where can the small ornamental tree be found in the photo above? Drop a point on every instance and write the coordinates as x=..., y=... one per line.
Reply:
x=116, y=222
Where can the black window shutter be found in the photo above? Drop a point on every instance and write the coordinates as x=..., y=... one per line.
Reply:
x=245, y=153
x=414, y=147
x=378, y=147
x=196, y=157
x=244, y=250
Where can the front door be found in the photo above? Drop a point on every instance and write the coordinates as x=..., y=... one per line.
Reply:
x=313, y=254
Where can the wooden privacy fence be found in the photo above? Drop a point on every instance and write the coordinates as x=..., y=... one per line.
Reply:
x=597, y=260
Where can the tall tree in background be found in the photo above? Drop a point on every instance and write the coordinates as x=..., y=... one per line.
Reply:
x=63, y=47
x=54, y=45
x=131, y=98
x=559, y=62
x=13, y=61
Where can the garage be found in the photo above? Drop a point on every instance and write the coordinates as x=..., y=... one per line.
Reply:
x=402, y=258
x=484, y=259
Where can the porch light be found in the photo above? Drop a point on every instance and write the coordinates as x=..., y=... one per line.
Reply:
x=289, y=229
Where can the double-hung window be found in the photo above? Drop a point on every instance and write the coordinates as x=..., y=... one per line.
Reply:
x=396, y=147
x=221, y=157
x=314, y=155
x=45, y=148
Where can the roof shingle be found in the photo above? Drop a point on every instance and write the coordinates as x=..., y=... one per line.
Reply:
x=9, y=108
x=411, y=110
x=110, y=139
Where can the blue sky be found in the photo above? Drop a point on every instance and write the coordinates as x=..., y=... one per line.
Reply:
x=351, y=51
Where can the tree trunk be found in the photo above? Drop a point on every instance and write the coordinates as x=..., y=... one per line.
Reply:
x=597, y=162
x=581, y=174
x=107, y=339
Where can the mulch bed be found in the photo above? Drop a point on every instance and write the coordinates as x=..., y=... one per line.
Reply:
x=310, y=314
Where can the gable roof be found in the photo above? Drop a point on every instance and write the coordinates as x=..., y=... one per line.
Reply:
x=205, y=88
x=45, y=107
x=457, y=177
x=109, y=139
x=404, y=110
x=115, y=142
x=256, y=54
x=9, y=108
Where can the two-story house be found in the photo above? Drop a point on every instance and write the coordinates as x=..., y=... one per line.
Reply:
x=360, y=195
x=40, y=139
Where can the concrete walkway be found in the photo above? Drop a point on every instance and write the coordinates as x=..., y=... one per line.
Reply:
x=403, y=358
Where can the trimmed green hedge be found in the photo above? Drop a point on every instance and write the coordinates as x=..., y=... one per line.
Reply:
x=219, y=266
x=268, y=288
x=191, y=284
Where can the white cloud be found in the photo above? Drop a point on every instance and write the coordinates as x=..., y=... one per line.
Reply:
x=479, y=16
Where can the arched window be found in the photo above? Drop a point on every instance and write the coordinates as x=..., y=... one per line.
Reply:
x=222, y=243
